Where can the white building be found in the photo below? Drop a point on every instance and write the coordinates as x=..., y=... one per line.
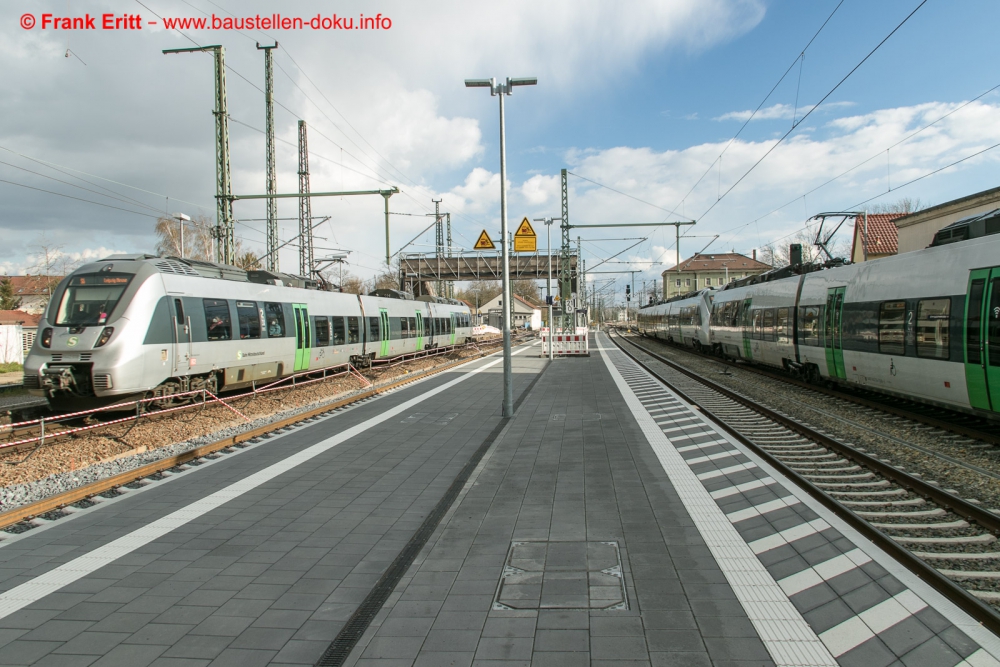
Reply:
x=526, y=314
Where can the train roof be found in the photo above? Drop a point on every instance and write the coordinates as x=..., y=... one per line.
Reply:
x=197, y=268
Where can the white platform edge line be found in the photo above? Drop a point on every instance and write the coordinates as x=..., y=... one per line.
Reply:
x=790, y=641
x=976, y=632
x=35, y=589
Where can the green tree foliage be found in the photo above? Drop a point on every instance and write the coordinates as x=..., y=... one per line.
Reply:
x=8, y=300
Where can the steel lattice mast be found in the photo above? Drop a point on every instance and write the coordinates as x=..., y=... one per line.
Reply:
x=305, y=207
x=438, y=242
x=226, y=247
x=565, y=256
x=272, y=204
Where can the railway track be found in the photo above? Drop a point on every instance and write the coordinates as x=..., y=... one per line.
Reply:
x=26, y=517
x=948, y=541
x=45, y=431
x=947, y=421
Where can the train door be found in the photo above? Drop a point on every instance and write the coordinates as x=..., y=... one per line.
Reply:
x=834, y=333
x=982, y=339
x=452, y=338
x=384, y=329
x=420, y=331
x=747, y=324
x=303, y=338
x=182, y=338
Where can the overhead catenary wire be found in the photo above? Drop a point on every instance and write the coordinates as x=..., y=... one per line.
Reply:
x=874, y=156
x=812, y=109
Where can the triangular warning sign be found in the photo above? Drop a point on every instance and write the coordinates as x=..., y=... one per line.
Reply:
x=484, y=242
x=525, y=229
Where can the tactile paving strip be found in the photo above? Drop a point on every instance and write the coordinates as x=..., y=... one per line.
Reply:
x=862, y=614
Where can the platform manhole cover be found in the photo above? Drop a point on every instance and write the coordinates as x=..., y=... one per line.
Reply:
x=562, y=575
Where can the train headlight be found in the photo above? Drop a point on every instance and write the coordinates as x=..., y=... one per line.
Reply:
x=105, y=336
x=46, y=337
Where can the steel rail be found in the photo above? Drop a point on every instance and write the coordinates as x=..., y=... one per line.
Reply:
x=873, y=403
x=56, y=502
x=970, y=604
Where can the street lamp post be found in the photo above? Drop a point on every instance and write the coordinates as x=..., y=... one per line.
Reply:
x=500, y=90
x=180, y=218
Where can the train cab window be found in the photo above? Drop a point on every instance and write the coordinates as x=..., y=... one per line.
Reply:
x=339, y=333
x=373, y=329
x=932, y=328
x=322, y=332
x=179, y=311
x=782, y=325
x=249, y=319
x=353, y=330
x=891, y=324
x=275, y=319
x=217, y=319
x=89, y=299
x=809, y=325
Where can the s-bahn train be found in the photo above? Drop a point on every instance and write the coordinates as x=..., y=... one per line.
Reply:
x=923, y=325
x=137, y=325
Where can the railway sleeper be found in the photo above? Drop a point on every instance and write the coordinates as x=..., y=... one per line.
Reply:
x=944, y=525
x=949, y=555
x=858, y=494
x=885, y=503
x=970, y=574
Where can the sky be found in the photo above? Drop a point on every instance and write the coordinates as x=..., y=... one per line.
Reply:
x=101, y=133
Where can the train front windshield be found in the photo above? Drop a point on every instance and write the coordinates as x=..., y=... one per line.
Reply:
x=89, y=299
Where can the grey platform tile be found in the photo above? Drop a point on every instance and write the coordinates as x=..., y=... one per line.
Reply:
x=301, y=652
x=223, y=626
x=184, y=615
x=562, y=640
x=448, y=659
x=179, y=662
x=447, y=640
x=130, y=655
x=60, y=660
x=232, y=657
x=618, y=648
x=678, y=659
x=55, y=630
x=456, y=620
x=20, y=652
x=93, y=643
x=393, y=648
x=165, y=634
x=736, y=649
x=406, y=627
x=872, y=653
x=504, y=648
x=263, y=638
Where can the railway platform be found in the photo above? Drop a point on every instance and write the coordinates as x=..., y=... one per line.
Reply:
x=607, y=522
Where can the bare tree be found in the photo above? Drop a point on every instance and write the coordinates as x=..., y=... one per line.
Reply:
x=478, y=292
x=903, y=205
x=526, y=289
x=352, y=284
x=197, y=238
x=50, y=262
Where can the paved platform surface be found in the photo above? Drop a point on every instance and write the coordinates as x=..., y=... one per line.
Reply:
x=608, y=523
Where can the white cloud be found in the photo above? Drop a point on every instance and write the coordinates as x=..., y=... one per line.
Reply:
x=780, y=112
x=539, y=189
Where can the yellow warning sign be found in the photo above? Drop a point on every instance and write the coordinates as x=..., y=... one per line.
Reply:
x=525, y=229
x=525, y=239
x=484, y=242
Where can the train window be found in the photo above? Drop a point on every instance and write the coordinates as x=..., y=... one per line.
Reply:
x=757, y=324
x=373, y=330
x=322, y=332
x=891, y=323
x=809, y=325
x=412, y=326
x=339, y=333
x=769, y=324
x=403, y=327
x=993, y=324
x=781, y=328
x=932, y=328
x=179, y=310
x=275, y=318
x=973, y=328
x=353, y=331
x=217, y=319
x=249, y=319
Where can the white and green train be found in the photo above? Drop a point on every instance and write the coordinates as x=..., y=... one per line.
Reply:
x=138, y=325
x=924, y=325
